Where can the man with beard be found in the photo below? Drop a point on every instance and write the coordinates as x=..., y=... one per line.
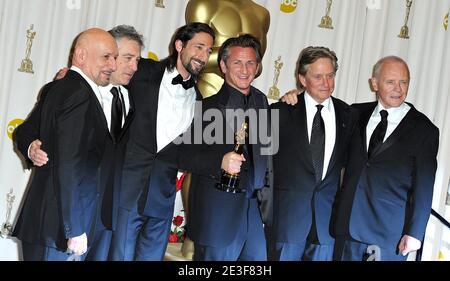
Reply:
x=165, y=96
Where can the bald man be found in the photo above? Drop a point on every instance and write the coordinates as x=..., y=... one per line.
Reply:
x=63, y=202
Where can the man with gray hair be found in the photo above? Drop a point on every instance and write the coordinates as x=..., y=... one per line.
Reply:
x=387, y=191
x=315, y=134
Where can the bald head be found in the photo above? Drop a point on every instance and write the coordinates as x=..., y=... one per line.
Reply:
x=95, y=53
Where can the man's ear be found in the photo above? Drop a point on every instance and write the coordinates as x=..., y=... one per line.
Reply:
x=178, y=45
x=373, y=84
x=223, y=66
x=302, y=80
x=79, y=55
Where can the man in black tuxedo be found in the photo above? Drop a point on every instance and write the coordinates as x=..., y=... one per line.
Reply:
x=226, y=225
x=314, y=139
x=129, y=43
x=386, y=196
x=61, y=206
x=165, y=94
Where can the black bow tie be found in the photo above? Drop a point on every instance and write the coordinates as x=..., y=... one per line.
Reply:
x=186, y=84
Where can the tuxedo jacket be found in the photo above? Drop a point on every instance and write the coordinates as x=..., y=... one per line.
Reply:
x=297, y=196
x=65, y=195
x=28, y=131
x=148, y=175
x=216, y=217
x=389, y=194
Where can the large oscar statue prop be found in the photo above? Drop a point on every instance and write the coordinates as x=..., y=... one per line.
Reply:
x=230, y=182
x=228, y=18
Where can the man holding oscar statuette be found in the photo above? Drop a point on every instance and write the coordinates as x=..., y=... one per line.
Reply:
x=226, y=223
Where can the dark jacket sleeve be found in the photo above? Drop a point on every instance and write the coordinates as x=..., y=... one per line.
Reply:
x=28, y=131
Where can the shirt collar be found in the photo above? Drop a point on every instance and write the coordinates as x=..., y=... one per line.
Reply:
x=174, y=72
x=393, y=112
x=237, y=99
x=311, y=103
x=90, y=82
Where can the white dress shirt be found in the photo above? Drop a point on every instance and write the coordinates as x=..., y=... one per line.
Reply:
x=175, y=110
x=106, y=97
x=329, y=119
x=395, y=116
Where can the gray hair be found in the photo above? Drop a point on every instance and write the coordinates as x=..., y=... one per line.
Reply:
x=127, y=31
x=377, y=67
x=310, y=54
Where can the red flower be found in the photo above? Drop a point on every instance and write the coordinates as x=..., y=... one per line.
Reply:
x=173, y=238
x=179, y=182
x=178, y=220
x=178, y=233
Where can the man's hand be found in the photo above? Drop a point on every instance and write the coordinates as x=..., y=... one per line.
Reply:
x=36, y=154
x=291, y=97
x=61, y=73
x=232, y=162
x=77, y=245
x=408, y=244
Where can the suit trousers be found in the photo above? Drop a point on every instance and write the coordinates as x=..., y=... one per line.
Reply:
x=138, y=237
x=35, y=252
x=99, y=250
x=357, y=251
x=301, y=252
x=249, y=245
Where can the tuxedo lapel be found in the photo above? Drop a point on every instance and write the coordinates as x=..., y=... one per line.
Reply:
x=364, y=120
x=342, y=118
x=224, y=95
x=128, y=118
x=94, y=99
x=301, y=133
x=154, y=82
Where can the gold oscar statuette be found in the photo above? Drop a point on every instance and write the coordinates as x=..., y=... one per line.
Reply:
x=404, y=31
x=7, y=226
x=326, y=21
x=27, y=64
x=274, y=92
x=230, y=182
x=159, y=3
